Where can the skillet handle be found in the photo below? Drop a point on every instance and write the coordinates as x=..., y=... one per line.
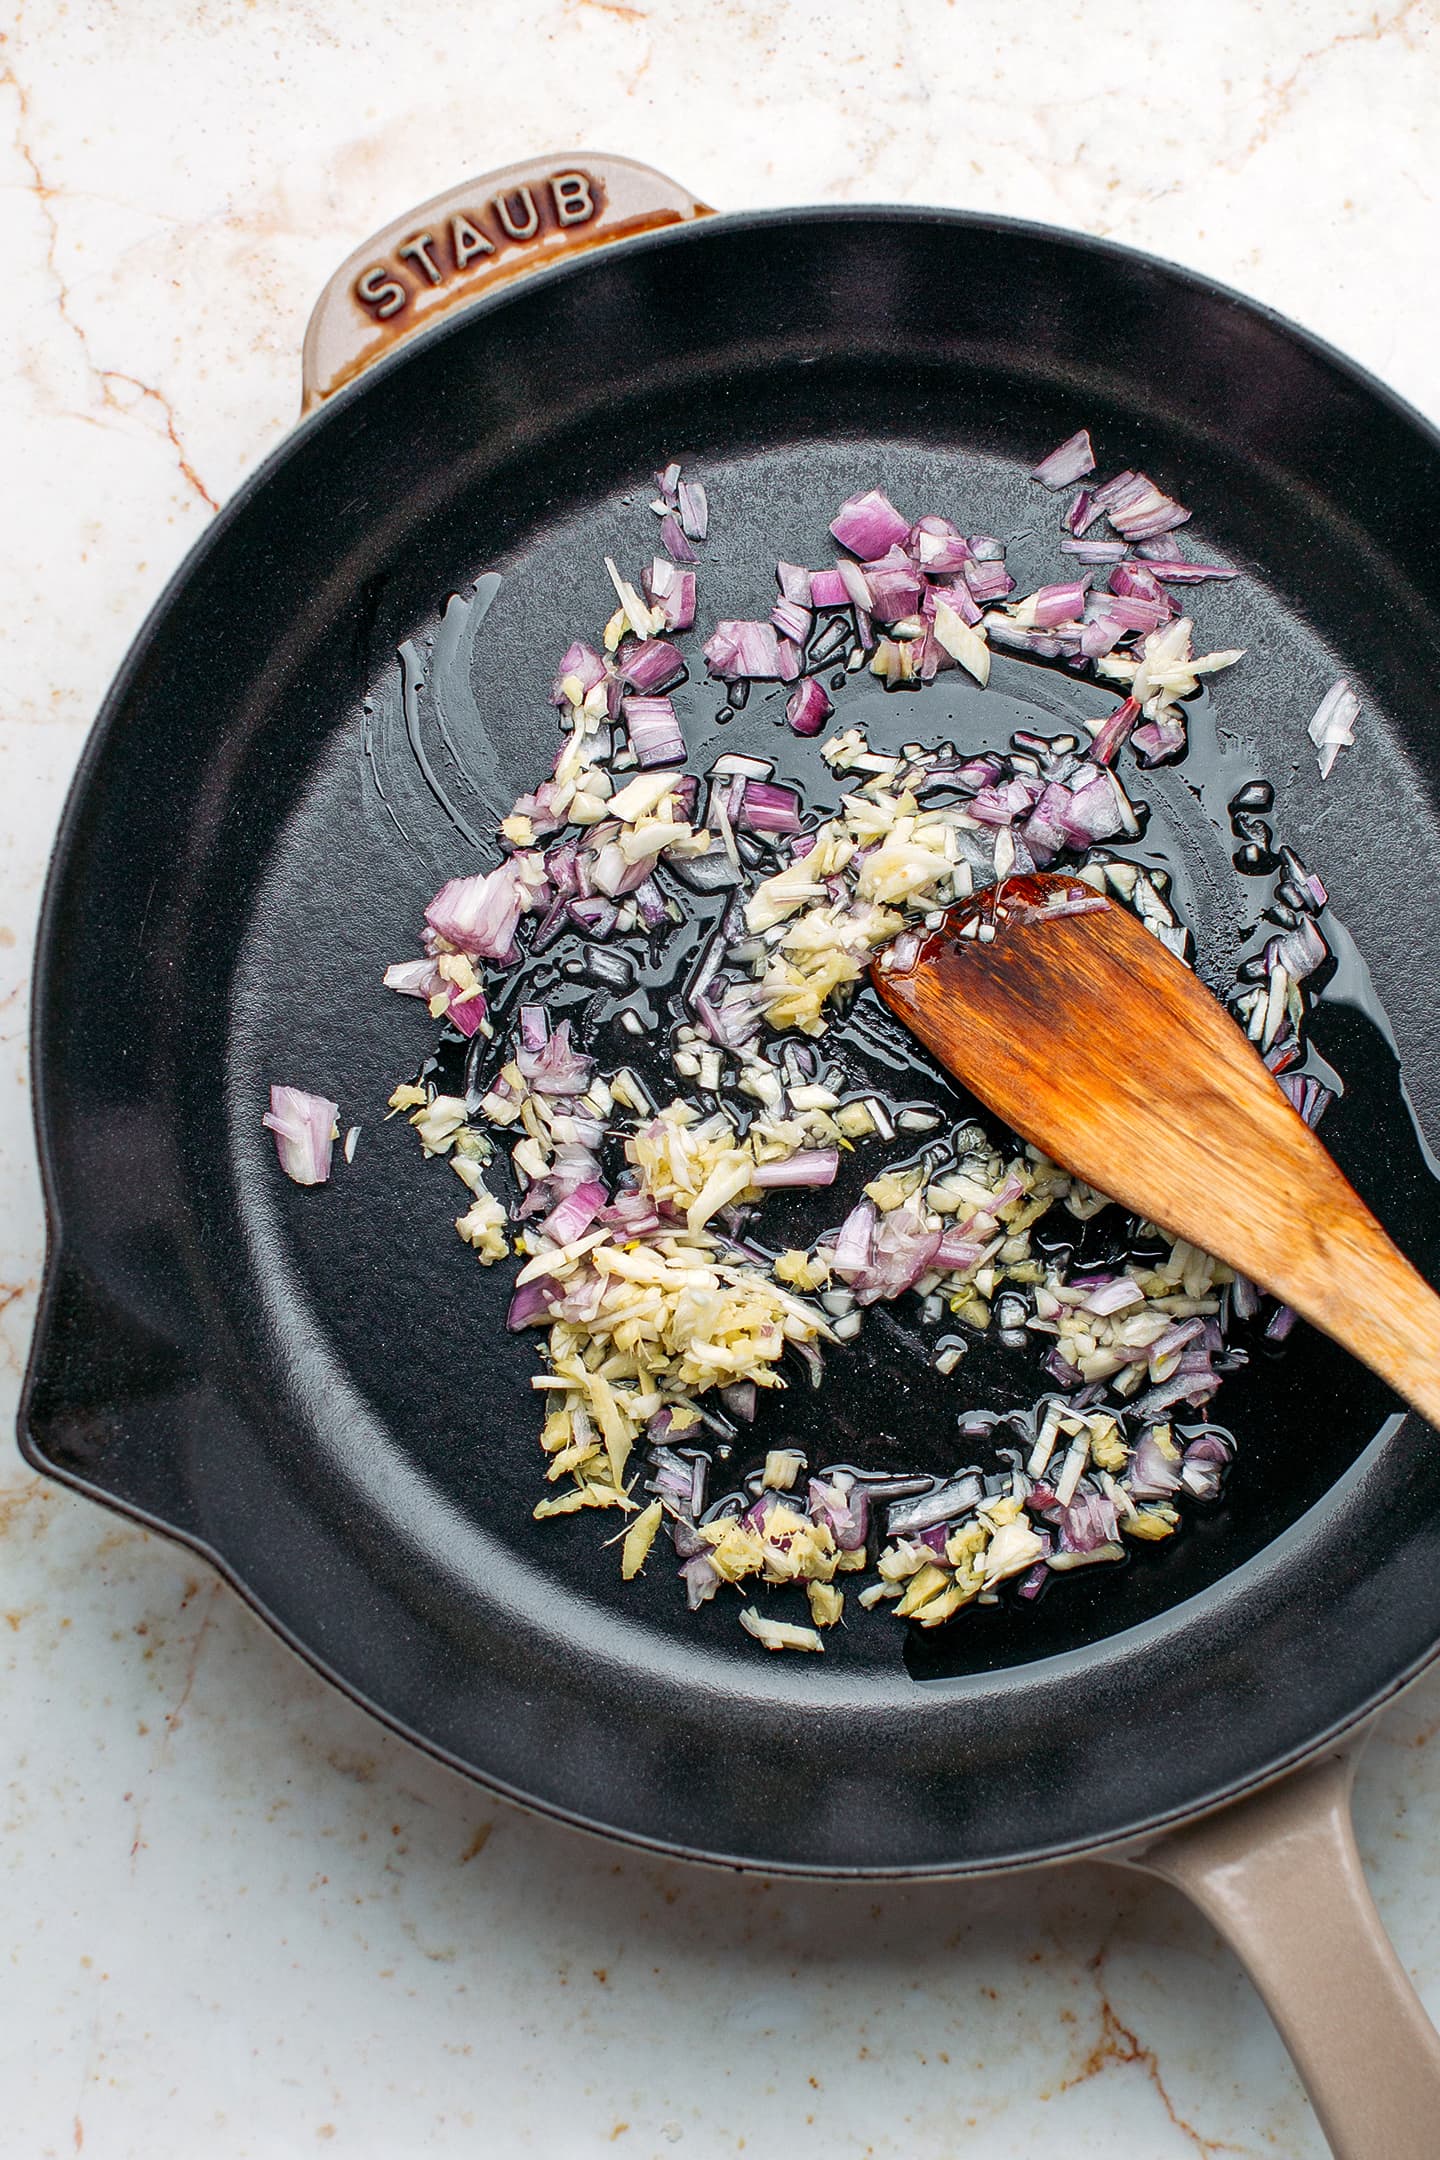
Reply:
x=459, y=245
x=1279, y=1876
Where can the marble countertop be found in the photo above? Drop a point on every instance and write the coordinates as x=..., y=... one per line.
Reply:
x=241, y=1919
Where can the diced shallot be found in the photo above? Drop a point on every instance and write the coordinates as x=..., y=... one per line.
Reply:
x=808, y=706
x=672, y=590
x=828, y=589
x=574, y=1214
x=811, y=1166
x=847, y=1512
x=304, y=1129
x=1071, y=461
x=869, y=524
x=1057, y=604
x=652, y=666
x=655, y=733
x=1333, y=727
x=766, y=809
x=988, y=580
x=744, y=651
x=694, y=509
x=581, y=666
x=414, y=978
x=479, y=914
x=675, y=541
x=939, y=546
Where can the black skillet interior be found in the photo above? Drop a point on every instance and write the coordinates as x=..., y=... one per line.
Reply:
x=317, y=1387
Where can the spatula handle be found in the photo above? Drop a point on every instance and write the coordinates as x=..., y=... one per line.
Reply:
x=1367, y=1295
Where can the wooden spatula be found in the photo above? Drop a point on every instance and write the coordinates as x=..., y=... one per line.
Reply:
x=1058, y=1009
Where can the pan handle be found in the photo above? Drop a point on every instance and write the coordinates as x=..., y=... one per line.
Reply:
x=1279, y=1876
x=459, y=245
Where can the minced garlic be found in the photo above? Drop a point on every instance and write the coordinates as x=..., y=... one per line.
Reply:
x=638, y=1540
x=778, y=1634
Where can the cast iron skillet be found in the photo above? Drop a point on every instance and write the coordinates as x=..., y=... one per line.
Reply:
x=316, y=1389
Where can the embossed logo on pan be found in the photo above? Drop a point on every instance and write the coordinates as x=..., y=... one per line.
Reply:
x=521, y=215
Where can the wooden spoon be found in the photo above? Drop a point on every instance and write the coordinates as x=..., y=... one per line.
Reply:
x=1061, y=1011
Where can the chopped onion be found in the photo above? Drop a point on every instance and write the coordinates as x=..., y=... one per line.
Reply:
x=1133, y=612
x=938, y=546
x=907, y=1518
x=1312, y=1099
x=1094, y=551
x=792, y=620
x=808, y=707
x=655, y=733
x=1158, y=740
x=895, y=587
x=1088, y=1522
x=1114, y=732
x=672, y=590
x=530, y=1306
x=556, y=1069
x=1071, y=461
x=1057, y=604
x=479, y=915
x=765, y=808
x=653, y=665
x=466, y=1014
x=1152, y=1474
x=694, y=509
x=574, y=1214
x=700, y=1580
x=651, y=904
x=988, y=580
x=593, y=914
x=414, y=978
x=1171, y=571
x=899, y=1251
x=674, y=541
x=846, y=1512
x=744, y=651
x=1137, y=508
x=853, y=1240
x=581, y=665
x=1100, y=635
x=1097, y=811
x=304, y=1129
x=1114, y=1296
x=1299, y=952
x=1333, y=727
x=869, y=524
x=828, y=589
x=810, y=1166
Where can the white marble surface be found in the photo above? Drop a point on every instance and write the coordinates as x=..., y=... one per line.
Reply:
x=239, y=1919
